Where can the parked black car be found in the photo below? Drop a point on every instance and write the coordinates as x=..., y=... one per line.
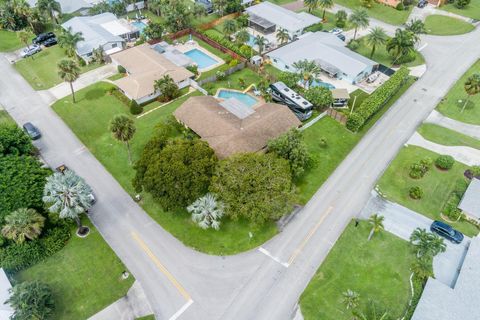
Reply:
x=50, y=42
x=341, y=36
x=422, y=3
x=42, y=37
x=446, y=231
x=32, y=131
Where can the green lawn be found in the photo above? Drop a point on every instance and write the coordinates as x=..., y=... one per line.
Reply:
x=453, y=102
x=329, y=22
x=471, y=11
x=366, y=267
x=150, y=317
x=40, y=70
x=232, y=81
x=89, y=120
x=5, y=117
x=85, y=276
x=382, y=56
x=379, y=11
x=280, y=2
x=436, y=184
x=9, y=41
x=446, y=26
x=446, y=136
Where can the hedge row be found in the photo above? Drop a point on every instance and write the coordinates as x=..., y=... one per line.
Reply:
x=377, y=100
x=244, y=51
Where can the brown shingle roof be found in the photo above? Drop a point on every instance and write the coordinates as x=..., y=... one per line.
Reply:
x=144, y=66
x=227, y=134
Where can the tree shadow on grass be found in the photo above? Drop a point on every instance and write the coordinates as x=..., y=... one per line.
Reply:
x=94, y=94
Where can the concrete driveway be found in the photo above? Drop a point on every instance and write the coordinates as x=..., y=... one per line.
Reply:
x=402, y=222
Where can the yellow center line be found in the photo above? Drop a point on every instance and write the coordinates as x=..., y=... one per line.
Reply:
x=164, y=270
x=309, y=235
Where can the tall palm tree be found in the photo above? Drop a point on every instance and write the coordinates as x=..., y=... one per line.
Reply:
x=416, y=26
x=50, y=8
x=24, y=37
x=261, y=42
x=167, y=88
x=311, y=5
x=207, y=211
x=377, y=224
x=325, y=4
x=229, y=27
x=23, y=224
x=22, y=8
x=69, y=71
x=427, y=244
x=123, y=128
x=68, y=40
x=341, y=16
x=308, y=70
x=359, y=20
x=68, y=195
x=377, y=36
x=422, y=267
x=98, y=55
x=403, y=43
x=472, y=87
x=350, y=299
x=242, y=36
x=283, y=36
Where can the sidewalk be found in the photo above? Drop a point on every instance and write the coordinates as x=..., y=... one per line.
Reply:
x=422, y=13
x=468, y=129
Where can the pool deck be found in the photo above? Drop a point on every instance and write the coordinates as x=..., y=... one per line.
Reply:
x=260, y=100
x=192, y=44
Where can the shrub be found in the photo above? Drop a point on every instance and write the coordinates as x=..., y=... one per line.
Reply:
x=340, y=23
x=419, y=169
x=135, y=108
x=353, y=45
x=444, y=162
x=406, y=58
x=220, y=75
x=323, y=142
x=233, y=63
x=315, y=28
x=450, y=209
x=228, y=44
x=415, y=192
x=31, y=300
x=193, y=69
x=320, y=97
x=354, y=122
x=121, y=69
x=400, y=7
x=14, y=140
x=460, y=4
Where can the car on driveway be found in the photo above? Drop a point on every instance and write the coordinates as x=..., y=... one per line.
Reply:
x=422, y=3
x=50, y=42
x=446, y=231
x=30, y=51
x=32, y=131
x=42, y=37
x=336, y=31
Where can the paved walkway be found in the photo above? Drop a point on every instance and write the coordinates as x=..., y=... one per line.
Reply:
x=468, y=129
x=422, y=13
x=466, y=155
x=402, y=222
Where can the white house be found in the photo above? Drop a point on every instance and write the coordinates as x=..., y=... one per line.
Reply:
x=470, y=204
x=82, y=6
x=6, y=310
x=267, y=18
x=329, y=52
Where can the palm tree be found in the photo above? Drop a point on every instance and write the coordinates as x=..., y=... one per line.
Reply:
x=69, y=71
x=283, y=36
x=24, y=37
x=230, y=27
x=123, y=128
x=50, y=8
x=261, y=42
x=220, y=6
x=156, y=6
x=311, y=5
x=22, y=8
x=31, y=300
x=341, y=15
x=68, y=195
x=308, y=70
x=69, y=40
x=403, y=43
x=242, y=36
x=23, y=224
x=167, y=88
x=416, y=26
x=199, y=11
x=472, y=87
x=422, y=267
x=350, y=299
x=377, y=224
x=372, y=312
x=426, y=244
x=377, y=36
x=98, y=55
x=207, y=211
x=359, y=19
x=325, y=4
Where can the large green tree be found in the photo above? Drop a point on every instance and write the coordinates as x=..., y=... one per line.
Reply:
x=283, y=36
x=401, y=45
x=377, y=36
x=50, y=8
x=68, y=40
x=308, y=70
x=178, y=173
x=229, y=27
x=31, y=300
x=359, y=20
x=320, y=97
x=153, y=30
x=123, y=128
x=69, y=71
x=14, y=141
x=426, y=244
x=311, y=5
x=167, y=88
x=23, y=224
x=254, y=186
x=325, y=4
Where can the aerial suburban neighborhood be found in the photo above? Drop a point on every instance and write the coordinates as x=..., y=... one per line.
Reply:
x=239, y=159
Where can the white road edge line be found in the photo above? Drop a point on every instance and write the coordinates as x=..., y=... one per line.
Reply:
x=268, y=254
x=422, y=47
x=181, y=310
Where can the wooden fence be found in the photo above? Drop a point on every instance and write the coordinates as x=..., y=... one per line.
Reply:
x=214, y=23
x=340, y=117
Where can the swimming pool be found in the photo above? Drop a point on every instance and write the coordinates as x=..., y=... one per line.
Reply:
x=244, y=98
x=251, y=41
x=318, y=83
x=202, y=59
x=139, y=25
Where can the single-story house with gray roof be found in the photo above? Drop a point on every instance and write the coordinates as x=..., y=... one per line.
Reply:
x=329, y=52
x=470, y=204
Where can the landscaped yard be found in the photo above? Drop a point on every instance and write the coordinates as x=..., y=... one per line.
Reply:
x=453, y=102
x=9, y=41
x=380, y=11
x=446, y=136
x=329, y=22
x=437, y=185
x=446, y=26
x=471, y=11
x=85, y=276
x=5, y=117
x=40, y=70
x=248, y=75
x=89, y=119
x=280, y=2
x=382, y=56
x=366, y=267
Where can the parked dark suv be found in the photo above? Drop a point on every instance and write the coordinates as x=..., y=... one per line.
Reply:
x=42, y=37
x=446, y=231
x=32, y=131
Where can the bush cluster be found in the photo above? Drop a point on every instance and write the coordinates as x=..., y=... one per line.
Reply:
x=120, y=96
x=451, y=206
x=444, y=162
x=415, y=192
x=229, y=44
x=121, y=69
x=135, y=108
x=420, y=168
x=377, y=100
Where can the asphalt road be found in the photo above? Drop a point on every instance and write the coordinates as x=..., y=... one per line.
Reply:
x=251, y=285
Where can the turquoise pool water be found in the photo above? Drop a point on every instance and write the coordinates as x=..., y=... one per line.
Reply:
x=200, y=58
x=251, y=41
x=139, y=25
x=244, y=98
x=318, y=83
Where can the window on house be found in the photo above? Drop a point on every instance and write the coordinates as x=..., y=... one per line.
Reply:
x=114, y=45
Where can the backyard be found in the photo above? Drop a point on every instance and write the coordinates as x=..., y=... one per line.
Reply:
x=329, y=22
x=446, y=136
x=446, y=26
x=93, y=111
x=379, y=11
x=40, y=70
x=85, y=276
x=437, y=185
x=451, y=106
x=472, y=10
x=366, y=267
